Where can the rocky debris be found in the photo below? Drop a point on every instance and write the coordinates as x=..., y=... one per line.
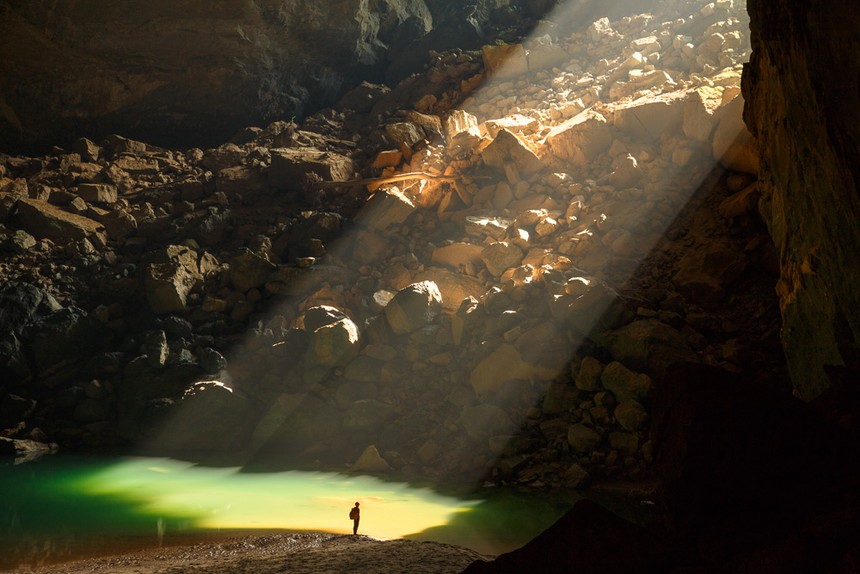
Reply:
x=483, y=284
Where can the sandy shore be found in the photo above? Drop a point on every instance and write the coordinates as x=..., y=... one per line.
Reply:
x=277, y=553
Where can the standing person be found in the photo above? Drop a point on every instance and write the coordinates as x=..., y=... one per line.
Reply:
x=355, y=514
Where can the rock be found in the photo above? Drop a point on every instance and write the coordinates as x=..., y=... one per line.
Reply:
x=404, y=134
x=501, y=256
x=648, y=118
x=505, y=60
x=649, y=345
x=458, y=122
x=363, y=97
x=413, y=307
x=733, y=145
x=588, y=375
x=386, y=207
x=631, y=415
x=370, y=461
x=626, y=443
x=625, y=384
x=742, y=202
x=97, y=192
x=241, y=180
x=211, y=361
x=515, y=123
x=509, y=151
x=465, y=257
x=334, y=344
x=209, y=417
x=705, y=274
x=289, y=167
x=582, y=439
x=454, y=287
x=167, y=286
x=14, y=409
x=698, y=122
x=250, y=270
x=580, y=139
x=44, y=220
x=155, y=348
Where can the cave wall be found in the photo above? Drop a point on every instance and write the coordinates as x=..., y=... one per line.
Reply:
x=802, y=91
x=179, y=72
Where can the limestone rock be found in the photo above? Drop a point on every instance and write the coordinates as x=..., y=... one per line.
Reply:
x=588, y=375
x=98, y=192
x=413, y=307
x=387, y=207
x=370, y=461
x=454, y=287
x=483, y=421
x=580, y=139
x=334, y=343
x=500, y=256
x=648, y=118
x=289, y=167
x=625, y=384
x=631, y=415
x=462, y=256
x=155, y=348
x=507, y=150
x=211, y=361
x=44, y=220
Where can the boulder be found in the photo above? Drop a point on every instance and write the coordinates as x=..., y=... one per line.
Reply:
x=505, y=60
x=334, y=344
x=625, y=384
x=630, y=415
x=413, y=307
x=47, y=221
x=250, y=270
x=501, y=256
x=370, y=461
x=650, y=117
x=388, y=206
x=167, y=286
x=580, y=139
x=508, y=150
x=648, y=345
x=97, y=192
x=289, y=167
x=454, y=287
x=582, y=439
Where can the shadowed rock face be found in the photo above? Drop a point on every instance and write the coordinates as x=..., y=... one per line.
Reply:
x=801, y=89
x=177, y=73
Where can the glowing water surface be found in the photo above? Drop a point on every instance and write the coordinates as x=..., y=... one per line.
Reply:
x=60, y=508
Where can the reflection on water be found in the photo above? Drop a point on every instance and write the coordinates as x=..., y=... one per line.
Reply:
x=61, y=507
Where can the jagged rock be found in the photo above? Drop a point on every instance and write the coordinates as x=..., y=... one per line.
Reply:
x=241, y=180
x=370, y=461
x=413, y=307
x=289, y=167
x=155, y=348
x=250, y=270
x=650, y=117
x=581, y=138
x=167, y=286
x=363, y=97
x=507, y=151
x=698, y=122
x=97, y=192
x=386, y=207
x=705, y=273
x=44, y=220
x=454, y=287
x=515, y=123
x=744, y=201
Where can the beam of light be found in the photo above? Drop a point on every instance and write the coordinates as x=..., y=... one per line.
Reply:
x=671, y=178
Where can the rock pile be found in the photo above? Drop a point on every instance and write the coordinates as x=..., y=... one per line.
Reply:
x=467, y=276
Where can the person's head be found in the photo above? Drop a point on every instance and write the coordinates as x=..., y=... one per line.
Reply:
x=356, y=504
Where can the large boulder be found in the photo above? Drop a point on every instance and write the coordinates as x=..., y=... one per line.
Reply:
x=413, y=307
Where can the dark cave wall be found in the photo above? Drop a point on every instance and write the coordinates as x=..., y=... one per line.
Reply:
x=180, y=73
x=802, y=91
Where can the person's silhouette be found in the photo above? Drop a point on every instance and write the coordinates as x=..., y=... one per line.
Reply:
x=355, y=514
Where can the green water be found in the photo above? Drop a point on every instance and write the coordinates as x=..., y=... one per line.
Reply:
x=60, y=508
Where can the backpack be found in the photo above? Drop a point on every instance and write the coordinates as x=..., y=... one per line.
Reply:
x=352, y=513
